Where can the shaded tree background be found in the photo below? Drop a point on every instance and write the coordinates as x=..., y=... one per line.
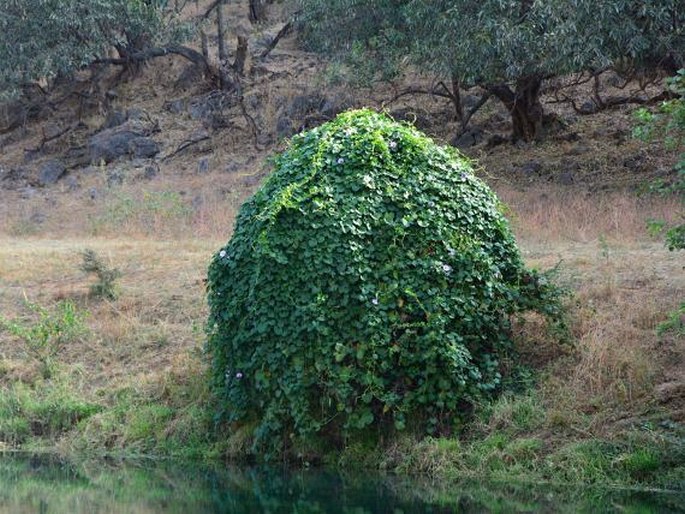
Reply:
x=507, y=47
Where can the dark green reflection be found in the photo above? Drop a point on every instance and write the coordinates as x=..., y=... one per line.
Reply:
x=47, y=485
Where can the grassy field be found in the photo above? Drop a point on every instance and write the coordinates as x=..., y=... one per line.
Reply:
x=128, y=376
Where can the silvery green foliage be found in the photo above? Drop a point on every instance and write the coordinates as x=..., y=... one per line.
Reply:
x=40, y=39
x=496, y=40
x=368, y=283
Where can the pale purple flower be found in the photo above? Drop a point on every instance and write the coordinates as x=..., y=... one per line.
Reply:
x=446, y=268
x=222, y=253
x=239, y=375
x=341, y=160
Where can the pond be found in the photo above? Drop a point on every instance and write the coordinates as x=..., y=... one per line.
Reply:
x=46, y=485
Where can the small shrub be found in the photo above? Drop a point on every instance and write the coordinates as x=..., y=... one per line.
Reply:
x=369, y=284
x=105, y=286
x=674, y=324
x=669, y=124
x=47, y=331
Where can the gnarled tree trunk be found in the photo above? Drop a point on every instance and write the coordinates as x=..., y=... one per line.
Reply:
x=523, y=103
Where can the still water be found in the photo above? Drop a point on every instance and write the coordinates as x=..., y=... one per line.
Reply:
x=41, y=485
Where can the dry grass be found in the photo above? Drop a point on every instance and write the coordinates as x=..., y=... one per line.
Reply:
x=554, y=215
x=149, y=338
x=157, y=319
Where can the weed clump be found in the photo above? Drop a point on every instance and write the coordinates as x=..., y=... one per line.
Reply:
x=369, y=283
x=47, y=332
x=105, y=286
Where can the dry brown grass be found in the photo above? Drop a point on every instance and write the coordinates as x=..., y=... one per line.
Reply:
x=624, y=285
x=547, y=214
x=622, y=291
x=157, y=319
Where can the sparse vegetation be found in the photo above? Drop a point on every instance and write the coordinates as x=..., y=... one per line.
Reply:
x=669, y=124
x=46, y=331
x=105, y=286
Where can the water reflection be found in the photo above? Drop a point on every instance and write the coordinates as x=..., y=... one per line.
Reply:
x=47, y=485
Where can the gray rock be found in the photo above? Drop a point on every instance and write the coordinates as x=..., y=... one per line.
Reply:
x=531, y=168
x=175, y=106
x=203, y=165
x=131, y=138
x=136, y=114
x=151, y=171
x=252, y=101
x=232, y=167
x=109, y=145
x=588, y=107
x=566, y=178
x=114, y=119
x=468, y=139
x=284, y=127
x=143, y=147
x=468, y=102
x=73, y=183
x=50, y=172
x=115, y=177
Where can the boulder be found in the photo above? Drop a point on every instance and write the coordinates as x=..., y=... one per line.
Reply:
x=129, y=138
x=50, y=172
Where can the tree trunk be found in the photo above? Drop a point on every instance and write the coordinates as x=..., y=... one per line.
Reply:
x=221, y=33
x=256, y=11
x=456, y=100
x=524, y=106
x=225, y=84
x=240, y=56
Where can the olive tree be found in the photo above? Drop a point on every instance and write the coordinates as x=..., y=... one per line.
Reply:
x=43, y=39
x=508, y=47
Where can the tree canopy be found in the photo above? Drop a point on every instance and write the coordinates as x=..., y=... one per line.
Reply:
x=41, y=39
x=505, y=46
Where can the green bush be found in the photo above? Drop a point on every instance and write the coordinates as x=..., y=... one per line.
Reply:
x=45, y=336
x=368, y=283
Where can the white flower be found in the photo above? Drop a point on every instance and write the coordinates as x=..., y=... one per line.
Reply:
x=393, y=144
x=222, y=253
x=341, y=160
x=446, y=268
x=452, y=252
x=374, y=301
x=239, y=375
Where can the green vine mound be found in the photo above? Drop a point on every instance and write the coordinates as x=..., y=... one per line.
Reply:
x=368, y=287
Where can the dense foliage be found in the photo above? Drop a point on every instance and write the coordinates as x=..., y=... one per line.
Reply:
x=369, y=282
x=506, y=46
x=40, y=39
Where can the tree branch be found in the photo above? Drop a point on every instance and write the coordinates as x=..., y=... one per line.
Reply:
x=281, y=33
x=151, y=53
